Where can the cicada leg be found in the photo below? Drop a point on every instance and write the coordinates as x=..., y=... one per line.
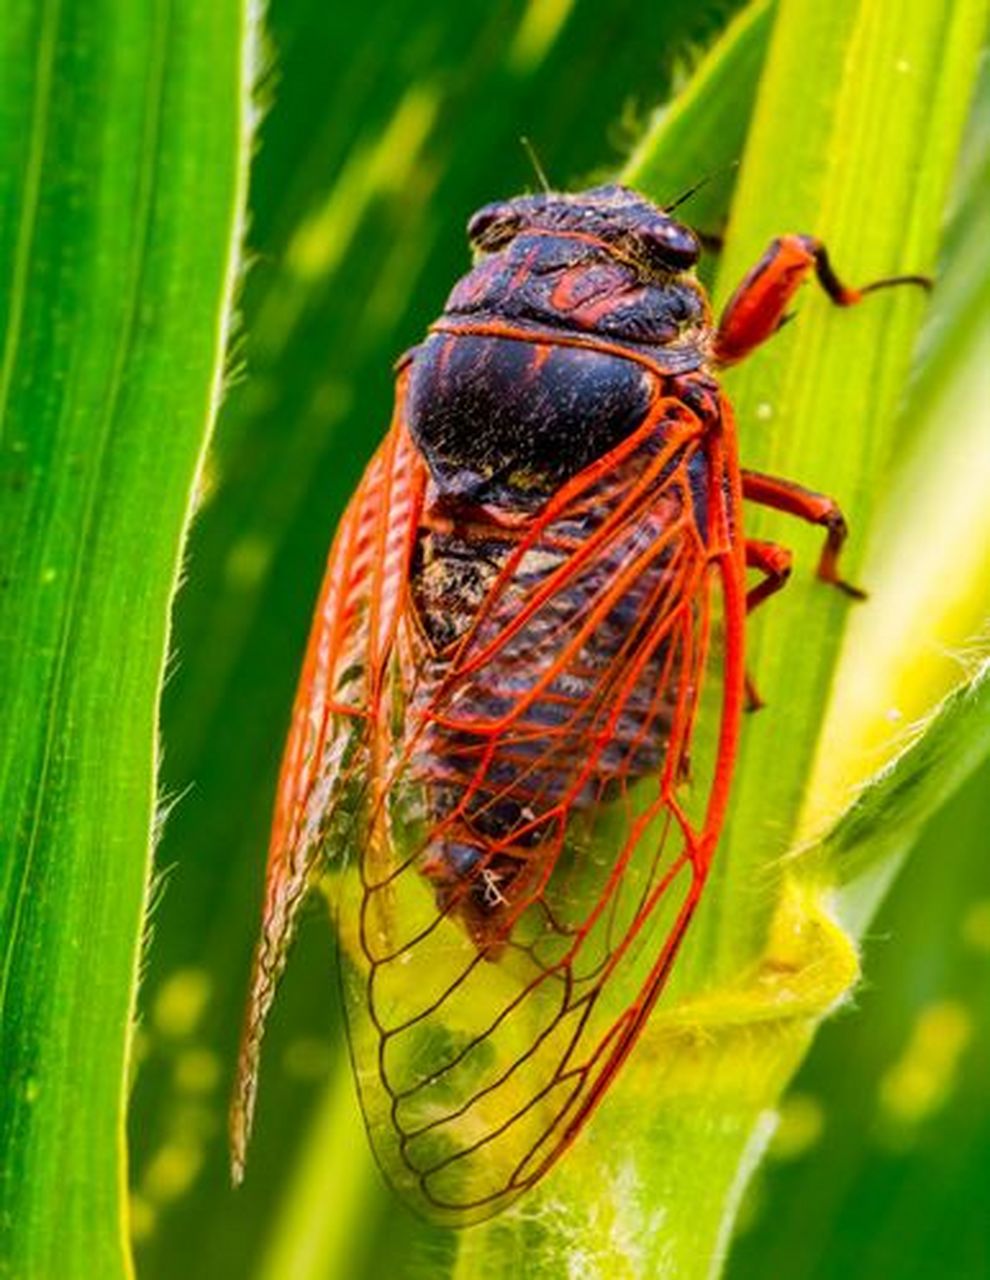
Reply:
x=816, y=508
x=774, y=562
x=758, y=307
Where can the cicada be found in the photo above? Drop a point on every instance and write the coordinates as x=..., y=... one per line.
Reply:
x=513, y=741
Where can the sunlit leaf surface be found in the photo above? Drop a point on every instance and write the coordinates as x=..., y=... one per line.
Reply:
x=123, y=157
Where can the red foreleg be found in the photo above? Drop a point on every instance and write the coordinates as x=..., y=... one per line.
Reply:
x=758, y=307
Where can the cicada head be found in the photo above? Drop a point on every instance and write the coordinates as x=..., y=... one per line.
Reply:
x=633, y=229
x=527, y=377
x=604, y=262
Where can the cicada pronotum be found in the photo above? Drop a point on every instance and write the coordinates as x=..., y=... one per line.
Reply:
x=514, y=736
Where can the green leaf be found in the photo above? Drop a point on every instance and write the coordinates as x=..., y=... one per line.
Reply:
x=927, y=556
x=870, y=126
x=879, y=828
x=123, y=145
x=877, y=1165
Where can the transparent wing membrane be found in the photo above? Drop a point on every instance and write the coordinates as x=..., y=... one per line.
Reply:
x=329, y=753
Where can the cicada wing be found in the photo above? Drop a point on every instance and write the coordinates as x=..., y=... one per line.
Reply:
x=536, y=850
x=335, y=721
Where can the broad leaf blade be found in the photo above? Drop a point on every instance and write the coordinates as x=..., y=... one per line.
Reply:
x=122, y=129
x=927, y=558
x=855, y=142
x=875, y=832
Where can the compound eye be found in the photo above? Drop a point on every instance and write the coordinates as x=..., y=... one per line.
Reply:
x=671, y=246
x=492, y=227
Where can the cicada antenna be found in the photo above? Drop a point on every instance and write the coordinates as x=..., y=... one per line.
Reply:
x=534, y=160
x=702, y=182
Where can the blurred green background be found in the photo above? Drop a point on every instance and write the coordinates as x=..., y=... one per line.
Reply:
x=386, y=126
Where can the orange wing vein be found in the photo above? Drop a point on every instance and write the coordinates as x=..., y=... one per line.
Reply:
x=334, y=720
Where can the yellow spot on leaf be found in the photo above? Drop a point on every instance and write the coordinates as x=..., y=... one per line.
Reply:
x=207, y=482
x=144, y=1219
x=247, y=562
